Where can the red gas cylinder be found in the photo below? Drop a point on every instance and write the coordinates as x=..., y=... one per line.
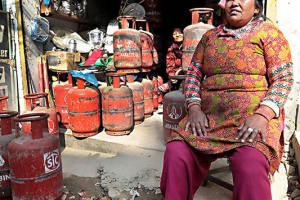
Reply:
x=60, y=94
x=117, y=108
x=138, y=99
x=6, y=136
x=173, y=109
x=148, y=97
x=127, y=47
x=35, y=161
x=38, y=103
x=193, y=33
x=3, y=103
x=160, y=81
x=155, y=93
x=147, y=44
x=84, y=110
x=155, y=57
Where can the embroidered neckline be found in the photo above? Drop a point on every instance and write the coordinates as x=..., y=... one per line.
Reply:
x=248, y=28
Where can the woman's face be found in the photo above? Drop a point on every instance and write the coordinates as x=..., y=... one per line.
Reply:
x=240, y=12
x=178, y=36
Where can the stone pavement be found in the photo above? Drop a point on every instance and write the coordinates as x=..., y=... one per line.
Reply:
x=135, y=160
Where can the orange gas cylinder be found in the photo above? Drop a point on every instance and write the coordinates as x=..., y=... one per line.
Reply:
x=127, y=47
x=173, y=108
x=155, y=57
x=160, y=81
x=6, y=136
x=35, y=161
x=138, y=99
x=38, y=103
x=148, y=97
x=155, y=93
x=3, y=103
x=147, y=48
x=60, y=93
x=193, y=33
x=84, y=110
x=147, y=42
x=117, y=108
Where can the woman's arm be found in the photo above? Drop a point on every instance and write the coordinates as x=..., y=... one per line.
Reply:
x=194, y=76
x=279, y=70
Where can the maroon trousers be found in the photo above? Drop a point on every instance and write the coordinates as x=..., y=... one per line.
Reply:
x=185, y=168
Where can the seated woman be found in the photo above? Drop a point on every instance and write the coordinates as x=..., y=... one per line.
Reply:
x=173, y=62
x=237, y=110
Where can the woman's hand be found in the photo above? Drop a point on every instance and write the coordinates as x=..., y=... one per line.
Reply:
x=197, y=121
x=178, y=64
x=253, y=125
x=173, y=81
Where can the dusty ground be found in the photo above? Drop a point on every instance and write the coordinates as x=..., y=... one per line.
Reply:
x=87, y=188
x=82, y=187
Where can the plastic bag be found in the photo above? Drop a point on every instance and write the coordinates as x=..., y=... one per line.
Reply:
x=39, y=27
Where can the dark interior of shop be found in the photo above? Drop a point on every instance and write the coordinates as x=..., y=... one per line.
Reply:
x=163, y=16
x=171, y=14
x=176, y=14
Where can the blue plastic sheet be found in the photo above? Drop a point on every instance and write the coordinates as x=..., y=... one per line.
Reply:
x=46, y=2
x=87, y=75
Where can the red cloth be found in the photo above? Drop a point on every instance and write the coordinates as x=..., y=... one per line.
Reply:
x=97, y=53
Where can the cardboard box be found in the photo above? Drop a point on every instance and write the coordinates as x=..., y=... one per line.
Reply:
x=62, y=60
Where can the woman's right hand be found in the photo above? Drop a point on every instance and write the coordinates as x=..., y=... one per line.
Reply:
x=173, y=81
x=197, y=121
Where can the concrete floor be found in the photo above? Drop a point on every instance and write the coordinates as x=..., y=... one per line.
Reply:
x=136, y=160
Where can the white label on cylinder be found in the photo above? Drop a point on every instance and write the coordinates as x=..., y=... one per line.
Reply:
x=174, y=111
x=2, y=161
x=171, y=126
x=52, y=161
x=4, y=177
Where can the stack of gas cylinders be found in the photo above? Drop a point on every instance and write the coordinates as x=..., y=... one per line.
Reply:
x=129, y=96
x=134, y=58
x=30, y=163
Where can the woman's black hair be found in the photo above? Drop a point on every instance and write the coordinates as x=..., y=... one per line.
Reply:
x=177, y=29
x=260, y=14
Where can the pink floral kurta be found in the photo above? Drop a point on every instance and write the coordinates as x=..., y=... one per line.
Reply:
x=173, y=59
x=239, y=69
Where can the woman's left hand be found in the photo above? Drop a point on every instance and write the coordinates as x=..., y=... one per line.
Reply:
x=251, y=127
